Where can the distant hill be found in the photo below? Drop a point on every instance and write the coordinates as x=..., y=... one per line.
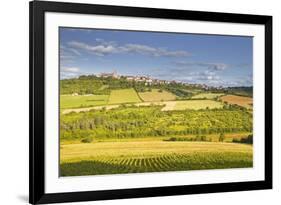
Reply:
x=243, y=91
x=104, y=85
x=100, y=85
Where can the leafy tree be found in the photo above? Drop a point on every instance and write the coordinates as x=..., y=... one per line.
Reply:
x=221, y=138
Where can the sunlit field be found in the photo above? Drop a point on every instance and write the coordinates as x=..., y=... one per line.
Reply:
x=207, y=95
x=151, y=156
x=135, y=102
x=123, y=96
x=197, y=104
x=246, y=102
x=156, y=95
x=69, y=101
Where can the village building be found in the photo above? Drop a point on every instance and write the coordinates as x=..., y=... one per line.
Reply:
x=108, y=75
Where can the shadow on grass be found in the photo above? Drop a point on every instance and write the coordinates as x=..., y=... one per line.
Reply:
x=91, y=168
x=196, y=161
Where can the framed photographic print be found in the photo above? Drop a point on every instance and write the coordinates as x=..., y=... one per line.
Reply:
x=140, y=102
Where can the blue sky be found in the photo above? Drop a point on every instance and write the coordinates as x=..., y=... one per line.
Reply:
x=214, y=60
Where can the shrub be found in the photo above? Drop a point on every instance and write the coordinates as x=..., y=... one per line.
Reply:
x=197, y=138
x=87, y=140
x=236, y=140
x=172, y=139
x=203, y=138
x=247, y=140
x=250, y=139
x=221, y=138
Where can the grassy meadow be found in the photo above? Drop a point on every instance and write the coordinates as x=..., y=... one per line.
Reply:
x=68, y=101
x=197, y=104
x=156, y=95
x=207, y=95
x=123, y=96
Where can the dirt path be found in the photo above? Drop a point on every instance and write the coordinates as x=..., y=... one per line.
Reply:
x=169, y=105
x=85, y=109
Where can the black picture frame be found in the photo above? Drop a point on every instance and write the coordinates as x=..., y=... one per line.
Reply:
x=37, y=194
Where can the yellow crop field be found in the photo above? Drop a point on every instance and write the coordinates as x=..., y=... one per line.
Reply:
x=123, y=96
x=197, y=104
x=150, y=156
x=207, y=95
x=156, y=96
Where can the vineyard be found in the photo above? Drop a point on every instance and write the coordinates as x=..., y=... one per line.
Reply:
x=152, y=156
x=151, y=121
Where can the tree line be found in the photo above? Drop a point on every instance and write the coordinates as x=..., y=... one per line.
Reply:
x=130, y=122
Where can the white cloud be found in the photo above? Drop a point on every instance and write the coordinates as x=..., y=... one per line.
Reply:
x=70, y=69
x=101, y=41
x=68, y=75
x=195, y=72
x=103, y=48
x=211, y=66
x=75, y=51
x=148, y=50
x=68, y=55
x=69, y=72
x=218, y=66
x=99, y=50
x=204, y=77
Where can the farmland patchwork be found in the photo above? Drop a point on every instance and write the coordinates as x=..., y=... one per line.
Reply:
x=140, y=101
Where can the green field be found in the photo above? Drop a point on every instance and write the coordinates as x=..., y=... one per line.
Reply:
x=69, y=101
x=197, y=104
x=123, y=96
x=116, y=97
x=207, y=95
x=155, y=96
x=151, y=156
